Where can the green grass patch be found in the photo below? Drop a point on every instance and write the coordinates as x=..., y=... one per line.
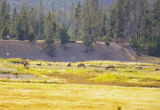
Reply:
x=124, y=72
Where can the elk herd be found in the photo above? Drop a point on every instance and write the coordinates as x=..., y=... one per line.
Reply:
x=82, y=65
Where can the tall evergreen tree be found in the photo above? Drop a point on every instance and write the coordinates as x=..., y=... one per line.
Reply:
x=76, y=25
x=22, y=24
x=64, y=37
x=4, y=20
x=31, y=34
x=90, y=22
x=13, y=23
x=120, y=18
x=146, y=30
x=50, y=34
x=127, y=17
x=40, y=19
x=112, y=23
x=155, y=39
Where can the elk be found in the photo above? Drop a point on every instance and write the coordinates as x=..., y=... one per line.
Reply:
x=39, y=64
x=139, y=68
x=157, y=69
x=81, y=65
x=110, y=67
x=69, y=65
x=25, y=63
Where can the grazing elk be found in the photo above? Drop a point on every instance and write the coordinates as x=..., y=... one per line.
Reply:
x=39, y=64
x=25, y=63
x=110, y=67
x=139, y=68
x=81, y=65
x=69, y=65
x=157, y=69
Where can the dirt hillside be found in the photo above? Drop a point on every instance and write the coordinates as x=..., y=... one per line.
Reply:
x=75, y=52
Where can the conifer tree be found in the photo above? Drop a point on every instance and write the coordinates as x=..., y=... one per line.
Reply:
x=120, y=18
x=50, y=34
x=90, y=23
x=155, y=39
x=5, y=19
x=31, y=34
x=13, y=31
x=40, y=17
x=76, y=25
x=23, y=24
x=64, y=37
x=112, y=24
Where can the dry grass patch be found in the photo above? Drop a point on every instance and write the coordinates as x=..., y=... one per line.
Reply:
x=76, y=97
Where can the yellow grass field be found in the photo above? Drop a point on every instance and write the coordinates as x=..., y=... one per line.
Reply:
x=23, y=96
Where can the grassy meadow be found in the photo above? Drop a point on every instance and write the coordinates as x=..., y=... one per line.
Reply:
x=54, y=86
x=22, y=96
x=125, y=73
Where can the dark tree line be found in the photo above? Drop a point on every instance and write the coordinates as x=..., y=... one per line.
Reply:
x=137, y=21
x=129, y=21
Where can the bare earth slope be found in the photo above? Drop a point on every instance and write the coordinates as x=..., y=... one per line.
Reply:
x=75, y=52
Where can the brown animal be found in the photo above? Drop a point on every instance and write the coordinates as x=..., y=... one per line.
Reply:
x=25, y=63
x=119, y=108
x=39, y=64
x=69, y=65
x=139, y=68
x=157, y=69
x=81, y=65
x=110, y=67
